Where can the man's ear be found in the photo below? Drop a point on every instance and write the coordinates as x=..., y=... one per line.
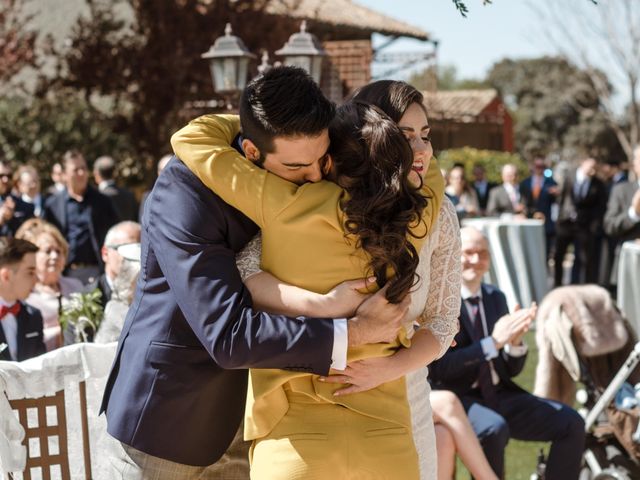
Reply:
x=250, y=150
x=5, y=274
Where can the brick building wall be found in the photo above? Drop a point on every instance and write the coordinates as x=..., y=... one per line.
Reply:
x=346, y=67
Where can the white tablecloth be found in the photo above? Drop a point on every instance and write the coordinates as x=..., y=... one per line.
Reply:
x=44, y=375
x=629, y=282
x=518, y=263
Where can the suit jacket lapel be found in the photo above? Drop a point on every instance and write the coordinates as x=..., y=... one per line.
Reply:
x=4, y=355
x=489, y=309
x=465, y=321
x=20, y=337
x=62, y=210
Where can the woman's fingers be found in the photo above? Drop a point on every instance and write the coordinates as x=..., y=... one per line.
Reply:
x=335, y=379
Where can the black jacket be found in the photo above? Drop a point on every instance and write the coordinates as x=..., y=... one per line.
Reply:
x=30, y=337
x=103, y=216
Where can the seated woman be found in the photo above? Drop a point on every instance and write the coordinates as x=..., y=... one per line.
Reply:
x=52, y=287
x=454, y=434
x=372, y=220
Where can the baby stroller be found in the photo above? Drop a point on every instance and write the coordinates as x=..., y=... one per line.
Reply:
x=583, y=337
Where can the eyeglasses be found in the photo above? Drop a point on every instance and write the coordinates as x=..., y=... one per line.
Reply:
x=482, y=254
x=129, y=250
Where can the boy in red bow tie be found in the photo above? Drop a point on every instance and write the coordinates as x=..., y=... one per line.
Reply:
x=20, y=324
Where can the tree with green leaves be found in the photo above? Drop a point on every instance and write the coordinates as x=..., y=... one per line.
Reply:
x=447, y=79
x=606, y=35
x=129, y=77
x=556, y=106
x=16, y=43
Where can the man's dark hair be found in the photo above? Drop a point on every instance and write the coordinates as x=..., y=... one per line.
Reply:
x=13, y=250
x=106, y=167
x=70, y=155
x=284, y=102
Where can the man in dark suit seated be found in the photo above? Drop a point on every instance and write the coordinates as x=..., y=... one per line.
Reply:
x=488, y=353
x=20, y=324
x=538, y=194
x=83, y=215
x=176, y=394
x=124, y=201
x=13, y=210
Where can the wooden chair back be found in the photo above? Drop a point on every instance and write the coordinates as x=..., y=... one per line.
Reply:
x=52, y=464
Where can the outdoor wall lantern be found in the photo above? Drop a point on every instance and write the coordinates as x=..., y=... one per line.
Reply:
x=304, y=50
x=229, y=63
x=229, y=59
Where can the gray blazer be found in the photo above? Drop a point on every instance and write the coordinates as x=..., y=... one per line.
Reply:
x=617, y=223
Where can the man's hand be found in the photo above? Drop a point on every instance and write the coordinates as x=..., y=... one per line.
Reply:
x=344, y=299
x=512, y=327
x=364, y=375
x=7, y=210
x=376, y=320
x=635, y=202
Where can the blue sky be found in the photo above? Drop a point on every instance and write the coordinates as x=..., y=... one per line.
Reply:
x=506, y=28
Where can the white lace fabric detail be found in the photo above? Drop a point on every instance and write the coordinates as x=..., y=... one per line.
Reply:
x=436, y=301
x=249, y=258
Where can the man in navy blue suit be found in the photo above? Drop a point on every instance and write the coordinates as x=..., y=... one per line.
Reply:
x=20, y=324
x=488, y=353
x=176, y=393
x=538, y=194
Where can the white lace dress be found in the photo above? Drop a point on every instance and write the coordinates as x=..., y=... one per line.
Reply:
x=435, y=304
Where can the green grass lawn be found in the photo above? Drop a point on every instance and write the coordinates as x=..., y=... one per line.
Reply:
x=521, y=457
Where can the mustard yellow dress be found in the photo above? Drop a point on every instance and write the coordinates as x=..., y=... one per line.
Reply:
x=299, y=429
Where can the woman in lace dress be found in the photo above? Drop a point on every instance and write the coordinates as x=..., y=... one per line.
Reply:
x=435, y=299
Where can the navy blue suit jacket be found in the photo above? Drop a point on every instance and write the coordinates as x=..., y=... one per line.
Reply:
x=23, y=212
x=173, y=391
x=542, y=204
x=458, y=369
x=30, y=339
x=103, y=216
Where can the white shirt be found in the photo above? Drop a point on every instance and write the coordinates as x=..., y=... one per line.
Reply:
x=632, y=211
x=10, y=326
x=105, y=183
x=514, y=194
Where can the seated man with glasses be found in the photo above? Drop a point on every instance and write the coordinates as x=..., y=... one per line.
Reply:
x=120, y=239
x=488, y=353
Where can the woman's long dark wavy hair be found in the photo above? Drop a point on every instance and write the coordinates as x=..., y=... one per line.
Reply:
x=372, y=161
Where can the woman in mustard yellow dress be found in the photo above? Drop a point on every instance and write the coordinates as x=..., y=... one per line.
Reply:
x=372, y=220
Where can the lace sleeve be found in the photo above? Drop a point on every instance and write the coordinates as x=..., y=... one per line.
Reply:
x=248, y=260
x=443, y=301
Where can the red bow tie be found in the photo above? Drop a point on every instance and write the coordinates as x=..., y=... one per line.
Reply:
x=13, y=310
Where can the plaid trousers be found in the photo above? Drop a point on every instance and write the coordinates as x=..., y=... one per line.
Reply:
x=127, y=463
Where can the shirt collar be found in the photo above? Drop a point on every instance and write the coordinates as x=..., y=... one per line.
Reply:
x=106, y=183
x=4, y=303
x=580, y=176
x=466, y=293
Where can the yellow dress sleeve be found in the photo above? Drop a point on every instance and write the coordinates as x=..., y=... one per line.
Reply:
x=432, y=188
x=204, y=146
